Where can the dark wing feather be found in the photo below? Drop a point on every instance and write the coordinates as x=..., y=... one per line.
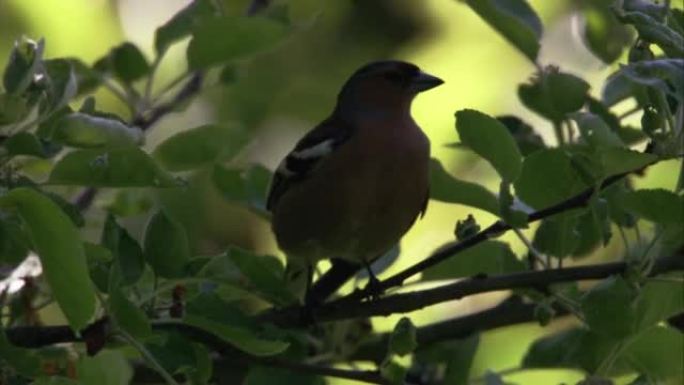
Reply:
x=303, y=159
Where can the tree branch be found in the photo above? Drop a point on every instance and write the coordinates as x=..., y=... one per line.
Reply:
x=449, y=250
x=346, y=308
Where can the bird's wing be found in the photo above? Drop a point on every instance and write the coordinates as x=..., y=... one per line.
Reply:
x=307, y=154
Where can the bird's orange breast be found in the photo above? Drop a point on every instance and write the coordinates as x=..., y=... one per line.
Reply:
x=360, y=202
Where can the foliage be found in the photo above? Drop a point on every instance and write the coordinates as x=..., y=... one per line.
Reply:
x=165, y=308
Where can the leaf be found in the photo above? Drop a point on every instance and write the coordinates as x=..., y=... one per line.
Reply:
x=557, y=236
x=62, y=84
x=665, y=75
x=655, y=205
x=125, y=249
x=595, y=131
x=620, y=160
x=489, y=257
x=108, y=367
x=608, y=308
x=174, y=352
x=200, y=146
x=240, y=37
x=554, y=94
x=14, y=244
x=547, y=178
x=126, y=62
x=527, y=140
x=446, y=188
x=127, y=316
x=490, y=139
x=244, y=185
x=99, y=265
x=573, y=348
x=227, y=322
x=266, y=375
x=58, y=244
x=657, y=302
x=83, y=130
x=23, y=64
x=265, y=274
x=458, y=355
x=515, y=20
x=182, y=24
x=646, y=353
x=402, y=340
x=654, y=31
x=24, y=361
x=604, y=35
x=24, y=143
x=116, y=167
x=166, y=246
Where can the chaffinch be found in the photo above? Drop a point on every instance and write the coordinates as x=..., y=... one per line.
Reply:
x=355, y=184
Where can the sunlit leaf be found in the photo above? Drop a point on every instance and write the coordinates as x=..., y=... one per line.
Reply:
x=446, y=188
x=240, y=37
x=200, y=146
x=83, y=130
x=515, y=20
x=490, y=139
x=58, y=244
x=166, y=246
x=656, y=205
x=117, y=167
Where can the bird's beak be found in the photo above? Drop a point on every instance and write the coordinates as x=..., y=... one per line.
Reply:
x=424, y=82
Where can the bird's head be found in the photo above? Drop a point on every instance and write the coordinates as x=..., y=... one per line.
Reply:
x=385, y=86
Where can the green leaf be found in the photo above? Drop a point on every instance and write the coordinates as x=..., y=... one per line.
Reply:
x=14, y=243
x=24, y=361
x=654, y=31
x=573, y=348
x=23, y=64
x=174, y=352
x=446, y=188
x=200, y=146
x=595, y=131
x=489, y=257
x=250, y=185
x=83, y=130
x=557, y=236
x=108, y=367
x=490, y=139
x=166, y=246
x=619, y=160
x=547, y=178
x=657, y=353
x=554, y=94
x=665, y=75
x=515, y=20
x=656, y=205
x=125, y=62
x=125, y=249
x=116, y=167
x=266, y=375
x=403, y=338
x=604, y=35
x=13, y=108
x=24, y=143
x=127, y=316
x=62, y=83
x=99, y=265
x=265, y=274
x=182, y=24
x=240, y=37
x=458, y=355
x=228, y=323
x=58, y=244
x=527, y=140
x=658, y=301
x=609, y=307
x=130, y=202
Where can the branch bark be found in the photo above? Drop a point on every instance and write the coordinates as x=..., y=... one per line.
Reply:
x=349, y=307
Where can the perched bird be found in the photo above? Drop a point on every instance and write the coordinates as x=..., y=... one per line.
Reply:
x=355, y=184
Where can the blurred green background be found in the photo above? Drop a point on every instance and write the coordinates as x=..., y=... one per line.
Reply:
x=284, y=92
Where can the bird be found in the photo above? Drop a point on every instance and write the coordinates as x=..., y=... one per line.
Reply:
x=357, y=182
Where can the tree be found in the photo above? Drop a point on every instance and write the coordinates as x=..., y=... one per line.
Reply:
x=154, y=311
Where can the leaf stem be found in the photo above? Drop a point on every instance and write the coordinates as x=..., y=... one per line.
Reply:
x=147, y=355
